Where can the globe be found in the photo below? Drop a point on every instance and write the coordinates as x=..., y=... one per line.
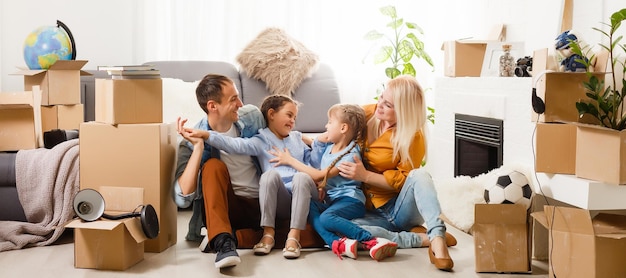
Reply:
x=47, y=44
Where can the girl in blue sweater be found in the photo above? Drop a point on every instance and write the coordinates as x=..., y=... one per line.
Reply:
x=340, y=199
x=283, y=192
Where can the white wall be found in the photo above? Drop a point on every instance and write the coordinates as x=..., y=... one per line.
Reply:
x=108, y=32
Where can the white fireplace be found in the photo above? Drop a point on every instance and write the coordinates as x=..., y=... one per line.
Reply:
x=503, y=98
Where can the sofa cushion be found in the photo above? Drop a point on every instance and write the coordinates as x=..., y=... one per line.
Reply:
x=316, y=95
x=277, y=59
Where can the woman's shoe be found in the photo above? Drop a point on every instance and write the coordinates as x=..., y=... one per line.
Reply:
x=292, y=252
x=262, y=248
x=440, y=263
x=450, y=239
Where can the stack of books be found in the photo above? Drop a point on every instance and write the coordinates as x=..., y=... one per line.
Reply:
x=131, y=71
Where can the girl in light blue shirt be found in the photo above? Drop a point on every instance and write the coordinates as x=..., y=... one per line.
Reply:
x=340, y=199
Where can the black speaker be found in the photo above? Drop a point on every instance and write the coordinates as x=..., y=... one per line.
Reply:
x=89, y=206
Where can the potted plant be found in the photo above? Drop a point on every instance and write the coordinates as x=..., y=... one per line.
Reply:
x=600, y=148
x=605, y=102
x=400, y=48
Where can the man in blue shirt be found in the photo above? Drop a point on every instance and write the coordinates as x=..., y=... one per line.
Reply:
x=223, y=188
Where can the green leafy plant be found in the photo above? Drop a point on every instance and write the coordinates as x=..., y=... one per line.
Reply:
x=606, y=102
x=401, y=48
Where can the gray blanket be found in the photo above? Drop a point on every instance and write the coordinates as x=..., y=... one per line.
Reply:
x=47, y=181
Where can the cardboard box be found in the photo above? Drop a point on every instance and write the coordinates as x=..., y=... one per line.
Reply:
x=17, y=122
x=61, y=117
x=134, y=155
x=561, y=90
x=501, y=238
x=129, y=101
x=60, y=84
x=601, y=154
x=556, y=148
x=111, y=244
x=465, y=57
x=582, y=245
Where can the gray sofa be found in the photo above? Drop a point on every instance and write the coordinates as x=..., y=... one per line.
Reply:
x=316, y=93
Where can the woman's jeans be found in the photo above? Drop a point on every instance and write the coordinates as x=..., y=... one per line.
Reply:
x=416, y=204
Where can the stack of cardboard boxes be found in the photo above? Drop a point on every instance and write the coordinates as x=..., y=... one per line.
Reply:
x=51, y=101
x=581, y=243
x=127, y=148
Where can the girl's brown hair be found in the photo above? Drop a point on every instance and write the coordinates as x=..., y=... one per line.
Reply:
x=274, y=102
x=354, y=116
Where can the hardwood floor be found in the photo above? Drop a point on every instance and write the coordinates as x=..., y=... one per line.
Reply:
x=185, y=260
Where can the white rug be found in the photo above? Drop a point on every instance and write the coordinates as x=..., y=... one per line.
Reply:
x=457, y=196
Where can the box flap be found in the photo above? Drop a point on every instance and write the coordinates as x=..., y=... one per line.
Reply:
x=573, y=220
x=497, y=33
x=17, y=98
x=601, y=62
x=608, y=223
x=68, y=65
x=95, y=225
x=134, y=228
x=58, y=65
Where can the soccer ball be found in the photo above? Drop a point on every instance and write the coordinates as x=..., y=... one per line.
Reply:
x=508, y=188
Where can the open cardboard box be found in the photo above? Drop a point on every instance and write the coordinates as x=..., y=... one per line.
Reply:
x=561, y=90
x=501, y=238
x=582, y=245
x=111, y=244
x=134, y=155
x=20, y=120
x=60, y=84
x=465, y=57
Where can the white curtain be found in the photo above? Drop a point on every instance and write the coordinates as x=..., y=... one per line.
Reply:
x=220, y=29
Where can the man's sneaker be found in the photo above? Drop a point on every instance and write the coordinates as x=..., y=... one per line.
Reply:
x=226, y=248
x=205, y=247
x=380, y=248
x=345, y=247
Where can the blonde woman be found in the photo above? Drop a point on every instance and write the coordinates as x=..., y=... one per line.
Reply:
x=400, y=195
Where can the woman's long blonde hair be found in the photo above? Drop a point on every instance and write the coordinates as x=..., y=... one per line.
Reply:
x=410, y=107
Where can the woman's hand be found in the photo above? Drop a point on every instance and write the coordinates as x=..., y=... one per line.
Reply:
x=282, y=157
x=353, y=170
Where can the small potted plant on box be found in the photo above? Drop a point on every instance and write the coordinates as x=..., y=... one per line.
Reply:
x=400, y=49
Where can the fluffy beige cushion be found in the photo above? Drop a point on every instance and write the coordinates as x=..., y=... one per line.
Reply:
x=278, y=60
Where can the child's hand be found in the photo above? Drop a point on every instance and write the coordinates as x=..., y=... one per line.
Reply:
x=281, y=157
x=199, y=133
x=187, y=133
x=321, y=193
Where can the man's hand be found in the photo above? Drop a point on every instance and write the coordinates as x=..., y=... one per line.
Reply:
x=192, y=135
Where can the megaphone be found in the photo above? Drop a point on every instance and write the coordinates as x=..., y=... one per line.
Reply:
x=89, y=206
